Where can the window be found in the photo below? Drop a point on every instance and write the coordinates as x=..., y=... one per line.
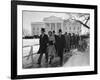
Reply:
x=47, y=24
x=78, y=28
x=74, y=28
x=59, y=26
x=33, y=28
x=69, y=28
x=37, y=28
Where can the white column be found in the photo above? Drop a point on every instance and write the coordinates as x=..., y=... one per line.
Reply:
x=45, y=26
x=55, y=27
x=49, y=26
x=63, y=31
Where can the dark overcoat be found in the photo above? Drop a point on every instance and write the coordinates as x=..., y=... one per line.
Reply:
x=43, y=44
x=60, y=44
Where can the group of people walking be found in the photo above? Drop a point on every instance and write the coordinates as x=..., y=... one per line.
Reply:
x=72, y=41
x=54, y=45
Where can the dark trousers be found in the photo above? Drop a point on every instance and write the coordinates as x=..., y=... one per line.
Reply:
x=40, y=57
x=60, y=54
x=56, y=49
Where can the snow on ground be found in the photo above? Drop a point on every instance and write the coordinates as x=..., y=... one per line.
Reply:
x=30, y=42
x=27, y=43
x=78, y=59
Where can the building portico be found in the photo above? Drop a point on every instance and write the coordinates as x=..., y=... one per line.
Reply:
x=53, y=23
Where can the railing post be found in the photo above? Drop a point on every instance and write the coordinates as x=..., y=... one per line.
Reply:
x=31, y=54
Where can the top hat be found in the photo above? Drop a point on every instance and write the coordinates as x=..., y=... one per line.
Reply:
x=60, y=30
x=42, y=29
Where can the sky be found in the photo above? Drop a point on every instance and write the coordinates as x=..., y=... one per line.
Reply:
x=37, y=16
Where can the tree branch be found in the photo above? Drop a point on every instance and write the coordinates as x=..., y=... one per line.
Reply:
x=83, y=24
x=87, y=20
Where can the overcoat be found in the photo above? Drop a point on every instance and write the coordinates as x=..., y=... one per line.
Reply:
x=60, y=44
x=43, y=44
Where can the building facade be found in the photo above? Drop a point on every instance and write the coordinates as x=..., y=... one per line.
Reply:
x=36, y=28
x=72, y=26
x=54, y=23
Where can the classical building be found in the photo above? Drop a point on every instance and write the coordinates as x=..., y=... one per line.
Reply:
x=36, y=28
x=72, y=26
x=54, y=23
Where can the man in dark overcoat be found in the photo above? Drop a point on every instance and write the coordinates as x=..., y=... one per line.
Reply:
x=60, y=46
x=43, y=46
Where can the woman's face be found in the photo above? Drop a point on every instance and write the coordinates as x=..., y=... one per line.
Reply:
x=49, y=33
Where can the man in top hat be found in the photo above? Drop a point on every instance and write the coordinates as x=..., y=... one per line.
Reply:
x=43, y=46
x=60, y=46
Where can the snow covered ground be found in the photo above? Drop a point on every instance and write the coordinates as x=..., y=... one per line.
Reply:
x=78, y=59
x=27, y=43
x=30, y=42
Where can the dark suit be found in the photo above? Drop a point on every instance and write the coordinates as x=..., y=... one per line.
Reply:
x=56, y=37
x=43, y=47
x=60, y=47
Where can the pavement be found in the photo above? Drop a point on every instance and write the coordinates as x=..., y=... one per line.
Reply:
x=72, y=58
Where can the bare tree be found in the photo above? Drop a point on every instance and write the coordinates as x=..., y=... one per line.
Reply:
x=81, y=18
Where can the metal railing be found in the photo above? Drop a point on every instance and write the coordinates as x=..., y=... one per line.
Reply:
x=30, y=55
